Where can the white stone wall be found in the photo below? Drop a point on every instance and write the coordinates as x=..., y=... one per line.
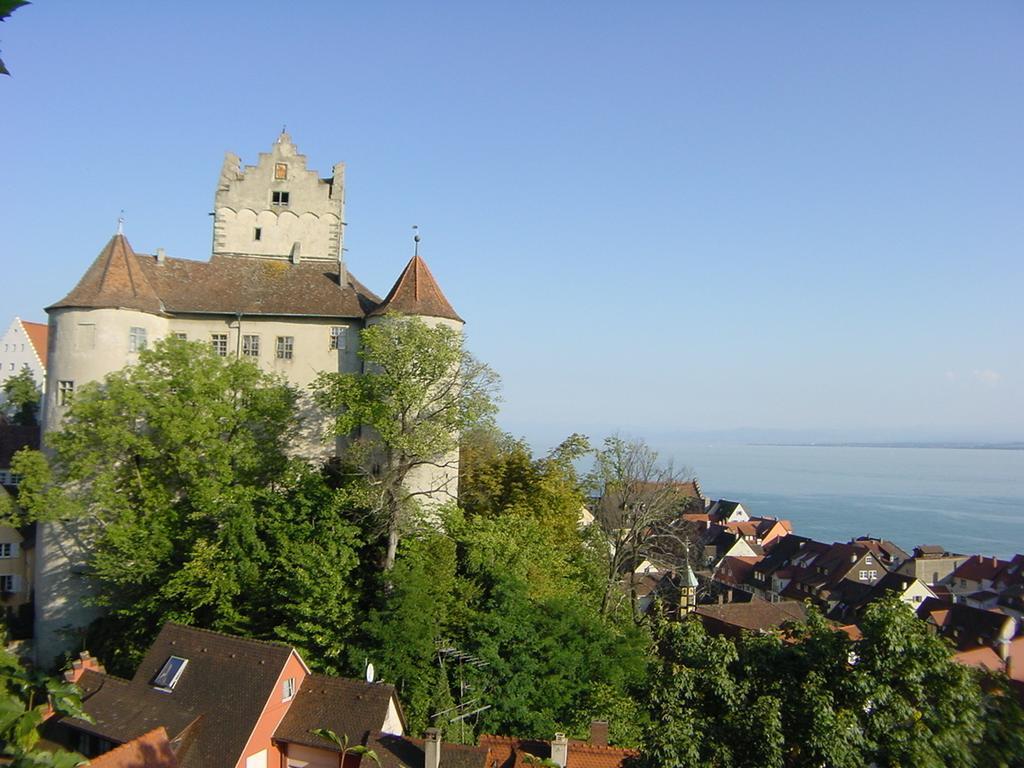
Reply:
x=16, y=352
x=245, y=203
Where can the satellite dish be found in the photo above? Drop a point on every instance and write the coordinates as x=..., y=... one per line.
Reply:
x=369, y=672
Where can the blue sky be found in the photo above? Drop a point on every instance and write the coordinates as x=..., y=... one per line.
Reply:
x=655, y=216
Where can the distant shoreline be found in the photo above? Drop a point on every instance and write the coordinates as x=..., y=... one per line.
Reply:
x=1012, y=446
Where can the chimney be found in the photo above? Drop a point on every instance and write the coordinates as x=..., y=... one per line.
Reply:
x=432, y=748
x=599, y=732
x=853, y=557
x=161, y=256
x=84, y=661
x=560, y=750
x=295, y=256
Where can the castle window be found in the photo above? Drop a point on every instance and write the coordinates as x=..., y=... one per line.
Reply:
x=279, y=198
x=280, y=171
x=257, y=234
x=136, y=339
x=220, y=343
x=181, y=336
x=338, y=337
x=251, y=345
x=285, y=347
x=65, y=392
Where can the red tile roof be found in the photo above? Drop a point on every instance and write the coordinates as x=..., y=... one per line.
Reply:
x=978, y=568
x=224, y=285
x=151, y=750
x=39, y=335
x=508, y=752
x=417, y=293
x=114, y=280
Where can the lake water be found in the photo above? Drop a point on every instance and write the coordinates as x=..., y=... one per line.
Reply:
x=968, y=500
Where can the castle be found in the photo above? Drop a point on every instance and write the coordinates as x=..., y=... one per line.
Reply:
x=276, y=290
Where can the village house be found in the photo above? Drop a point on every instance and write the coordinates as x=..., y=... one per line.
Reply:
x=976, y=574
x=24, y=345
x=932, y=564
x=17, y=544
x=732, y=619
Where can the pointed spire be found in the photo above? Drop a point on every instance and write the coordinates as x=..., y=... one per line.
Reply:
x=417, y=293
x=114, y=280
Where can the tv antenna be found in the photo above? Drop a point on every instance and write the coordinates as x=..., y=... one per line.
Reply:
x=469, y=702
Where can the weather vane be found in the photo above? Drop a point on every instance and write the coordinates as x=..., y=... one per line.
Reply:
x=120, y=223
x=416, y=239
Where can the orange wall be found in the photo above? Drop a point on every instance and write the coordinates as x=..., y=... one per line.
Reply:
x=273, y=713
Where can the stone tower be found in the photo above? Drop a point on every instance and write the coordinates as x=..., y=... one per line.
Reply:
x=417, y=294
x=278, y=208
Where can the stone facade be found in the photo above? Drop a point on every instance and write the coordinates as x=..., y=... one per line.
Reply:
x=282, y=297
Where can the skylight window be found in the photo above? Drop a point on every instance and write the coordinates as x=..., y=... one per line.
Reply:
x=170, y=673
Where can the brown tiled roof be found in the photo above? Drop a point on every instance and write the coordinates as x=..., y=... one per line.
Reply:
x=14, y=437
x=755, y=615
x=405, y=752
x=509, y=752
x=227, y=683
x=351, y=707
x=38, y=334
x=151, y=750
x=223, y=285
x=114, y=280
x=977, y=568
x=967, y=626
x=417, y=293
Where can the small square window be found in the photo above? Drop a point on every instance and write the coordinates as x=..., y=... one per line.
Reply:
x=288, y=689
x=285, y=347
x=257, y=233
x=220, y=343
x=181, y=336
x=6, y=550
x=136, y=339
x=280, y=171
x=251, y=345
x=65, y=392
x=338, y=337
x=278, y=197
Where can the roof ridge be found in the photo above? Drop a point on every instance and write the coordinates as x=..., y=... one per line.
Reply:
x=217, y=633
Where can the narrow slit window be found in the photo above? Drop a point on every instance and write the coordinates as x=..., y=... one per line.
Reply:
x=257, y=233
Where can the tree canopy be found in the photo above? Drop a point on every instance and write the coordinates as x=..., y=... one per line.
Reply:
x=21, y=398
x=402, y=416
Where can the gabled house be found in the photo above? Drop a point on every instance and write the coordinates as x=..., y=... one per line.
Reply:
x=910, y=591
x=839, y=577
x=732, y=619
x=969, y=627
x=24, y=345
x=225, y=701
x=976, y=574
x=725, y=511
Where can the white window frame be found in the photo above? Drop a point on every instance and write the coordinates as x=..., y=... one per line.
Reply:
x=288, y=689
x=8, y=549
x=285, y=348
x=219, y=342
x=338, y=337
x=8, y=583
x=136, y=339
x=862, y=575
x=250, y=345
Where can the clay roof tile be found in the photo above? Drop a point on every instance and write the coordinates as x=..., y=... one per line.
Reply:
x=416, y=292
x=115, y=280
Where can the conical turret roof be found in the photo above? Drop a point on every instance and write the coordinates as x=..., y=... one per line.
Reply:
x=115, y=280
x=417, y=293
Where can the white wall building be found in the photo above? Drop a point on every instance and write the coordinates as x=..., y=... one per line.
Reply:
x=24, y=345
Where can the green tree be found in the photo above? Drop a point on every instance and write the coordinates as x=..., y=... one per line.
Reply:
x=420, y=390
x=7, y=7
x=25, y=698
x=22, y=396
x=344, y=748
x=171, y=469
